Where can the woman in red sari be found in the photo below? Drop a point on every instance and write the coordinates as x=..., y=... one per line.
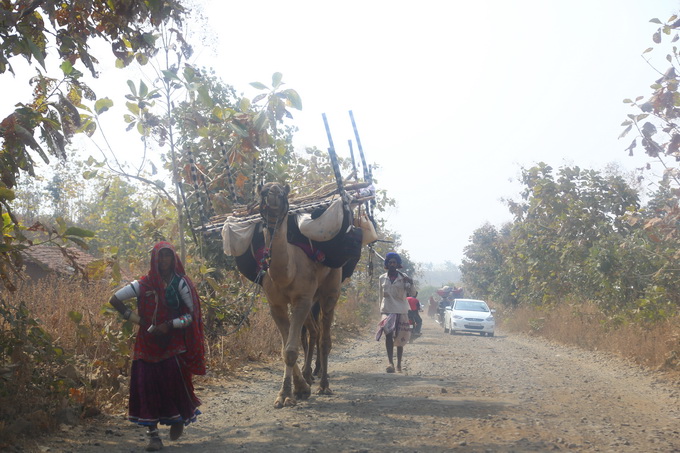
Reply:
x=169, y=345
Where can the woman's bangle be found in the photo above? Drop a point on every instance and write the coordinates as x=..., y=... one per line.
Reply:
x=127, y=313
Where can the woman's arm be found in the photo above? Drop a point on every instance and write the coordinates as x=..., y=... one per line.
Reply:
x=124, y=310
x=127, y=292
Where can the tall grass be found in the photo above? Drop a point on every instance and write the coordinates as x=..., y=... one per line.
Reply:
x=654, y=345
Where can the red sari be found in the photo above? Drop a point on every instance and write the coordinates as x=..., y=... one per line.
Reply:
x=161, y=388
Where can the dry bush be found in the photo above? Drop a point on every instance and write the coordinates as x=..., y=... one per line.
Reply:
x=49, y=346
x=91, y=370
x=652, y=345
x=258, y=339
x=351, y=315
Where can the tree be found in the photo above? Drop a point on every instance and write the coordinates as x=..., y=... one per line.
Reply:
x=54, y=113
x=483, y=263
x=565, y=241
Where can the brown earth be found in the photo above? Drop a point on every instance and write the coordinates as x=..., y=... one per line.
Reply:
x=464, y=393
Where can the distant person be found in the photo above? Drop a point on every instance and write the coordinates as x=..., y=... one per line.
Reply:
x=394, y=288
x=414, y=313
x=168, y=348
x=432, y=307
x=445, y=303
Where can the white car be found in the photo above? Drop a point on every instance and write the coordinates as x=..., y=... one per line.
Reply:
x=469, y=315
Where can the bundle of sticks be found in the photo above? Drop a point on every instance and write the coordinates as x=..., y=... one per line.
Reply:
x=320, y=198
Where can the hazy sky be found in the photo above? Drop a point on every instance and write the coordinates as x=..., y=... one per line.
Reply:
x=450, y=98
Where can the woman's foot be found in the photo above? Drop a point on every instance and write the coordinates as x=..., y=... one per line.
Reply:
x=390, y=369
x=155, y=443
x=398, y=368
x=176, y=430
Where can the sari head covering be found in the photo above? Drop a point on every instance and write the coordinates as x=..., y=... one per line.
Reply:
x=187, y=344
x=393, y=255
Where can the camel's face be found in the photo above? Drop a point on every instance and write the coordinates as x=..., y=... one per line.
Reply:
x=273, y=202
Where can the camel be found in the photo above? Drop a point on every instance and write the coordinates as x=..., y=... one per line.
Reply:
x=292, y=284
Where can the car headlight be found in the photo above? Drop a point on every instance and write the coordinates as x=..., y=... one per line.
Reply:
x=457, y=317
x=490, y=318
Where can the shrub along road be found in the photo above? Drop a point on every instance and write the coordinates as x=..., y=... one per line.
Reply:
x=463, y=393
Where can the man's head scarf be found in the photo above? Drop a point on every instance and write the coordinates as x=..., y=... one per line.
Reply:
x=393, y=255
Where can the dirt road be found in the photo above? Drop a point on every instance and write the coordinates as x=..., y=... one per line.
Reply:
x=457, y=393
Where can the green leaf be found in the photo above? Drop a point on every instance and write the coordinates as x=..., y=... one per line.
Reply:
x=625, y=131
x=238, y=130
x=120, y=64
x=80, y=232
x=6, y=194
x=276, y=79
x=78, y=241
x=116, y=274
x=189, y=74
x=75, y=316
x=259, y=97
x=141, y=58
x=102, y=105
x=647, y=50
x=36, y=52
x=143, y=89
x=656, y=37
x=293, y=98
x=656, y=21
x=132, y=86
x=89, y=174
x=133, y=107
x=204, y=95
x=258, y=85
x=217, y=112
x=261, y=121
x=66, y=67
x=170, y=75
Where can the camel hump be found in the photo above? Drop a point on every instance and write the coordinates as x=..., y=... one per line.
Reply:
x=237, y=237
x=324, y=227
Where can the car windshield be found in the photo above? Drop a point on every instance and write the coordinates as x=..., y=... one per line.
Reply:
x=468, y=305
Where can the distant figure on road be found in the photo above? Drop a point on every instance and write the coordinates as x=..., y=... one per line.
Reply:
x=414, y=313
x=431, y=307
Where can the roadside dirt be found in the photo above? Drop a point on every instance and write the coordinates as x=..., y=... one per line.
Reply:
x=457, y=393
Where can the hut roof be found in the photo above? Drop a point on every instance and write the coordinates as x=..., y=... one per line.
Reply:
x=62, y=261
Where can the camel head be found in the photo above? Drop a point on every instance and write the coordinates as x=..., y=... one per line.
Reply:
x=273, y=202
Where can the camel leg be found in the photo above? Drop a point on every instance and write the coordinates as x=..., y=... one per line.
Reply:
x=317, y=363
x=299, y=315
x=285, y=396
x=326, y=314
x=326, y=319
x=309, y=343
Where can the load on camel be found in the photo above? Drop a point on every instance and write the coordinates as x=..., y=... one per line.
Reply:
x=300, y=250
